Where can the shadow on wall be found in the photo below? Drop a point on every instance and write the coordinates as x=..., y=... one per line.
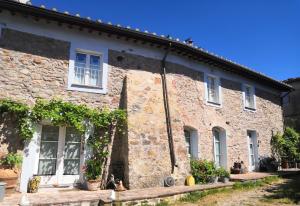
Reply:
x=34, y=44
x=136, y=62
x=119, y=155
x=10, y=140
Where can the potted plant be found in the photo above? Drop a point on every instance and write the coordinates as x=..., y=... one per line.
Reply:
x=203, y=171
x=34, y=184
x=213, y=178
x=9, y=170
x=93, y=171
x=223, y=175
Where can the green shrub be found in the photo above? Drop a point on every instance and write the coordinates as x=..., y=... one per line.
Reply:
x=222, y=172
x=12, y=160
x=203, y=170
x=287, y=145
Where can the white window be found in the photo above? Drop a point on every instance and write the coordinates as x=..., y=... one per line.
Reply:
x=249, y=97
x=187, y=136
x=213, y=90
x=191, y=143
x=217, y=144
x=87, y=70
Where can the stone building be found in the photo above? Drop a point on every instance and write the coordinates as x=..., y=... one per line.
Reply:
x=182, y=102
x=291, y=104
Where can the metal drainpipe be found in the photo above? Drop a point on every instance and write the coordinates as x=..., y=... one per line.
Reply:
x=167, y=109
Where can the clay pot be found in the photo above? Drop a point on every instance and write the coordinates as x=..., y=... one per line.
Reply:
x=224, y=179
x=93, y=185
x=10, y=177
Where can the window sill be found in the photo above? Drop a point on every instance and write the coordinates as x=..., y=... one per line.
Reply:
x=214, y=104
x=87, y=88
x=249, y=109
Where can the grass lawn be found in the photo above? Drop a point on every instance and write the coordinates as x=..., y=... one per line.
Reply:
x=286, y=193
x=268, y=191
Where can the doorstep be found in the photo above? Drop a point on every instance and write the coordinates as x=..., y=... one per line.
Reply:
x=102, y=197
x=249, y=176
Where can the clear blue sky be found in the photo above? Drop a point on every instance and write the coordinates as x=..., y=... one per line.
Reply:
x=261, y=34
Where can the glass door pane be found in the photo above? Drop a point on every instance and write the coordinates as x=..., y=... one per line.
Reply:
x=217, y=148
x=94, y=70
x=187, y=136
x=48, y=150
x=72, y=152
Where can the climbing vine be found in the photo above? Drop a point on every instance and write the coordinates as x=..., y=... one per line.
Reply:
x=61, y=114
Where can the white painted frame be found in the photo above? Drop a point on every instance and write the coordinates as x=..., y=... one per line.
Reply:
x=194, y=143
x=219, y=90
x=255, y=150
x=244, y=97
x=103, y=65
x=31, y=160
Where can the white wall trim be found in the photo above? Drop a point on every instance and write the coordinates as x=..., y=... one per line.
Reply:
x=90, y=41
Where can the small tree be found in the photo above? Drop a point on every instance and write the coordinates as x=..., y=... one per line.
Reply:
x=287, y=145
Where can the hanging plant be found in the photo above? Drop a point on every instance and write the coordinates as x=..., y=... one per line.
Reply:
x=60, y=114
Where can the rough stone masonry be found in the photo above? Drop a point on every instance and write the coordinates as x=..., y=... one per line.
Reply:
x=37, y=67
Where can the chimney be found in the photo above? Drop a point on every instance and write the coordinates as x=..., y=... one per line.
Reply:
x=189, y=41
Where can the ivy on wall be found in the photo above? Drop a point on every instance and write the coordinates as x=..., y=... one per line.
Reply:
x=61, y=114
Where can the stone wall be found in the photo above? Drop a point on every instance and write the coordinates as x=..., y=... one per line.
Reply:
x=37, y=67
x=149, y=157
x=143, y=154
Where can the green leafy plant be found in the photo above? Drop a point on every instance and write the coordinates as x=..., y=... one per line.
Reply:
x=203, y=170
x=34, y=184
x=222, y=172
x=286, y=146
x=12, y=160
x=61, y=114
x=80, y=117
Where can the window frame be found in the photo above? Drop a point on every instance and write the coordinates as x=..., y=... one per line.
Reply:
x=61, y=142
x=218, y=89
x=252, y=90
x=72, y=85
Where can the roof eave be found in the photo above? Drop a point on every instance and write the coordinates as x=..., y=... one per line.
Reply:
x=121, y=31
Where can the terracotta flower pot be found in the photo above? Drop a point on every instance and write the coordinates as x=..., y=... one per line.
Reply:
x=10, y=177
x=93, y=185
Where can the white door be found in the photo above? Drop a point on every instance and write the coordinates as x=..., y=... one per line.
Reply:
x=252, y=151
x=60, y=155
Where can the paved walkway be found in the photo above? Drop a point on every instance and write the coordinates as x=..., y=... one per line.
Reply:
x=249, y=176
x=61, y=196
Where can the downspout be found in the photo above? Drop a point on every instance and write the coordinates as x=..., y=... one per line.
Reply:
x=167, y=108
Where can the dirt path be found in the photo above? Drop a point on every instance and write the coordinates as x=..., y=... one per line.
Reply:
x=285, y=192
